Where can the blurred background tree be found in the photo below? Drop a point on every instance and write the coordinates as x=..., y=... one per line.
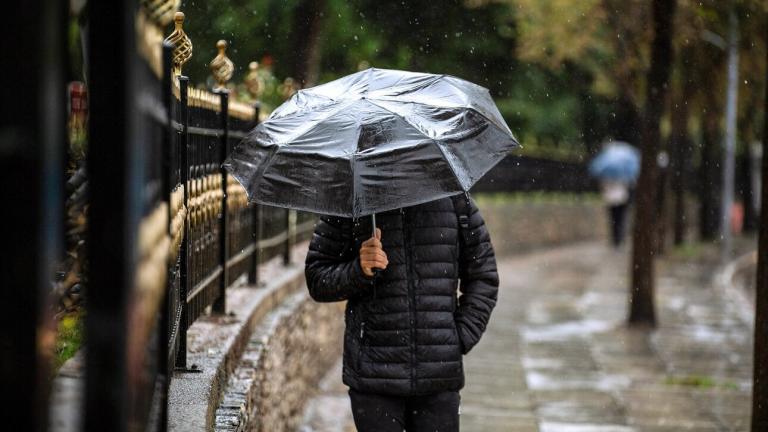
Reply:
x=566, y=75
x=559, y=104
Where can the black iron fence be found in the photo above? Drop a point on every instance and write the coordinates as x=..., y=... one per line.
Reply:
x=168, y=231
x=217, y=240
x=520, y=173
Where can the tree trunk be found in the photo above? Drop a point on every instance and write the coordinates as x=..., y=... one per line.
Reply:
x=641, y=305
x=748, y=165
x=307, y=29
x=589, y=118
x=744, y=192
x=760, y=384
x=681, y=143
x=627, y=123
x=751, y=217
x=662, y=204
x=709, y=173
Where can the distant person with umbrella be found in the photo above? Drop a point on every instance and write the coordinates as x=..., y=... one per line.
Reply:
x=387, y=157
x=617, y=167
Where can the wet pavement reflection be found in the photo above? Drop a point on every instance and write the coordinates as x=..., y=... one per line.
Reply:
x=558, y=356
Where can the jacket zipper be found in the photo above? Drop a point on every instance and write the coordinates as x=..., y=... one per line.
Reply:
x=411, y=294
x=361, y=347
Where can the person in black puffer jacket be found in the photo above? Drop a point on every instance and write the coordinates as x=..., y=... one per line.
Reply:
x=407, y=328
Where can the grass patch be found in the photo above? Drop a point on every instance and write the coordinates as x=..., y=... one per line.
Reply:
x=69, y=338
x=698, y=381
x=690, y=250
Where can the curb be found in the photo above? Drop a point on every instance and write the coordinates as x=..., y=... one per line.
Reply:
x=215, y=345
x=724, y=280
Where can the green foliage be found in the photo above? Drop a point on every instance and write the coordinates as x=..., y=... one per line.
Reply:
x=699, y=381
x=254, y=30
x=69, y=338
x=688, y=251
x=74, y=50
x=476, y=42
x=555, y=68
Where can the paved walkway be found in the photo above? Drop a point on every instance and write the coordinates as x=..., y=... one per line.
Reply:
x=557, y=355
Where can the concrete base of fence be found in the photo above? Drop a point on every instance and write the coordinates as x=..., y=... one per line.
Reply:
x=285, y=359
x=215, y=344
x=67, y=395
x=246, y=364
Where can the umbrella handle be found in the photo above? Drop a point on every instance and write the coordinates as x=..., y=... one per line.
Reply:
x=373, y=225
x=376, y=271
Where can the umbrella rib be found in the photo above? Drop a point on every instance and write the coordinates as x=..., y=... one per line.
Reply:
x=450, y=165
x=302, y=110
x=316, y=123
x=490, y=122
x=355, y=180
x=408, y=90
x=434, y=142
x=401, y=117
x=505, y=128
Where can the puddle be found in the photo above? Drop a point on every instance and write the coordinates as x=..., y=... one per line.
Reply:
x=584, y=410
x=582, y=427
x=542, y=363
x=676, y=303
x=566, y=330
x=591, y=298
x=713, y=335
x=540, y=381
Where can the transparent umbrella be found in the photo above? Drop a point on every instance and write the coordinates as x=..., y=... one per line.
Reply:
x=372, y=141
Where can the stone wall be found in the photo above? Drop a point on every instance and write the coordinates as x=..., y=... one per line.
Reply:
x=523, y=222
x=286, y=356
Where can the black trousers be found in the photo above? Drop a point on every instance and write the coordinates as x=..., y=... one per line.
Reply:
x=618, y=217
x=434, y=413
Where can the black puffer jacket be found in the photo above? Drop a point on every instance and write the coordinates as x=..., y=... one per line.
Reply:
x=407, y=336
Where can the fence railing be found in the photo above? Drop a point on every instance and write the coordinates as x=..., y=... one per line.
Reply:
x=195, y=234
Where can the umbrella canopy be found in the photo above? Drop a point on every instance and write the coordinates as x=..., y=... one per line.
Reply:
x=617, y=161
x=372, y=141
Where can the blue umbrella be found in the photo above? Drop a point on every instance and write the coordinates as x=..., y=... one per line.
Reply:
x=617, y=161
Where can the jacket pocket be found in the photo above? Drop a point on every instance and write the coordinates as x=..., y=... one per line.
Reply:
x=459, y=344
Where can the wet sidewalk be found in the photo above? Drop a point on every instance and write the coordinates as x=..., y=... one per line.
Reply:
x=557, y=355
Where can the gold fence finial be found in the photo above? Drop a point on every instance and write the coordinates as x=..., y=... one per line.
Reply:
x=182, y=45
x=253, y=81
x=221, y=66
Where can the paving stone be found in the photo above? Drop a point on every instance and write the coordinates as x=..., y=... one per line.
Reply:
x=498, y=424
